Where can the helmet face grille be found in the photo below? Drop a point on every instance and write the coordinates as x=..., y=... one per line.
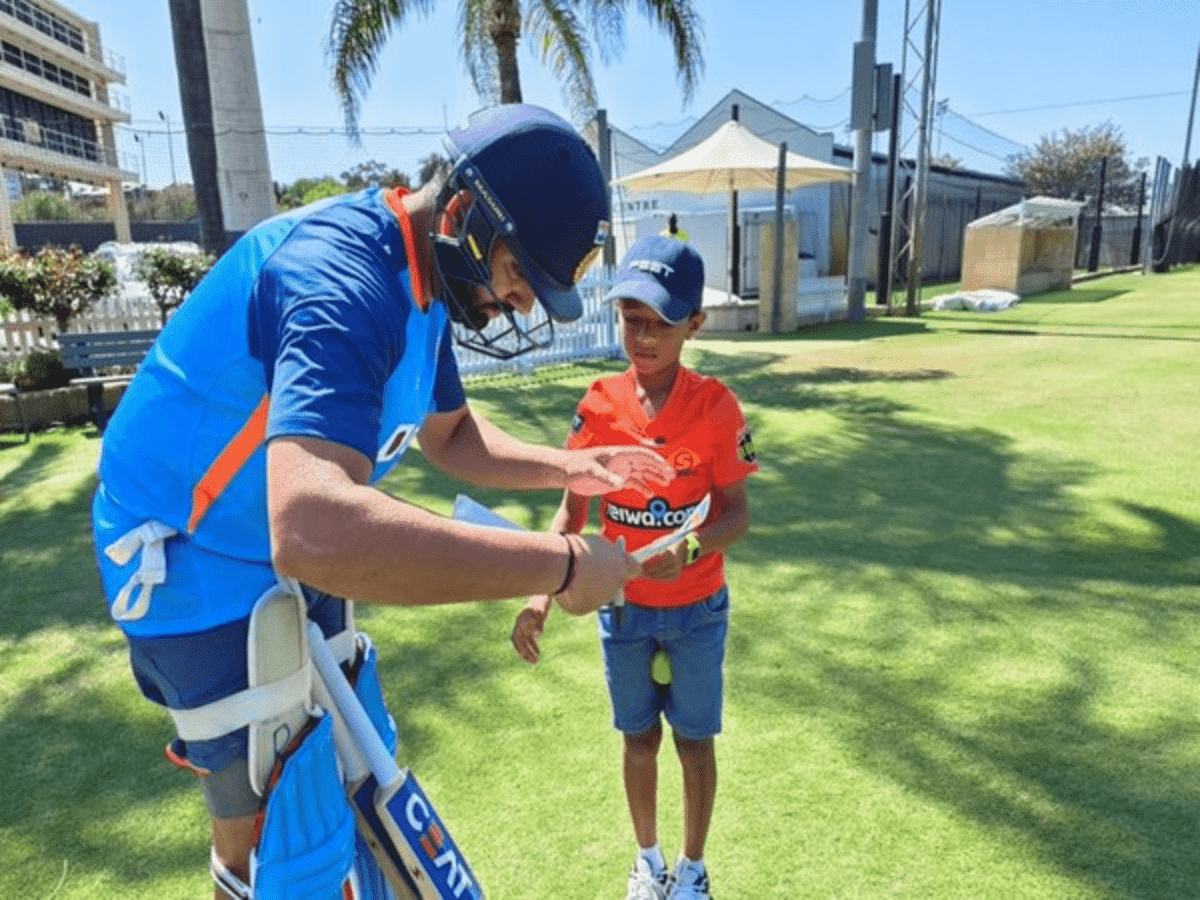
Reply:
x=536, y=184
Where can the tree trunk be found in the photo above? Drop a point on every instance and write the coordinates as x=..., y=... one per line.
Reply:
x=505, y=29
x=191, y=66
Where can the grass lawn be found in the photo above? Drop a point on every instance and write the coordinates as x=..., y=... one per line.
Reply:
x=964, y=659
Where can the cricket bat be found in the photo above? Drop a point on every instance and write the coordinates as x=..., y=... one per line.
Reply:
x=395, y=817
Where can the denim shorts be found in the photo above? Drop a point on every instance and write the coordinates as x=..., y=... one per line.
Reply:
x=694, y=638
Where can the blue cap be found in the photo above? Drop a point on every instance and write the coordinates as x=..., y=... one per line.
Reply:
x=540, y=186
x=664, y=273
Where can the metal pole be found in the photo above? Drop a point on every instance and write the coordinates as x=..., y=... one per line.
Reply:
x=912, y=306
x=1192, y=112
x=883, y=285
x=1136, y=244
x=604, y=140
x=777, y=261
x=1094, y=252
x=170, y=146
x=864, y=65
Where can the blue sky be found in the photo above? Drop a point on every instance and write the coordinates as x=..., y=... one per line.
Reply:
x=1011, y=70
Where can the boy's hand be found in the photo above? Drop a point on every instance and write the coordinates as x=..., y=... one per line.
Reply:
x=594, y=471
x=668, y=565
x=527, y=632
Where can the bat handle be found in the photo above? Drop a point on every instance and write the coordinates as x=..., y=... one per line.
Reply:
x=371, y=745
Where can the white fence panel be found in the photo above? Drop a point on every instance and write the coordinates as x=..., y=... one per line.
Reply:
x=594, y=336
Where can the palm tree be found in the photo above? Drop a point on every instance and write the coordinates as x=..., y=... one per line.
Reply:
x=491, y=30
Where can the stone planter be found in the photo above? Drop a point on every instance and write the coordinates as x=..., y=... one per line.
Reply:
x=60, y=405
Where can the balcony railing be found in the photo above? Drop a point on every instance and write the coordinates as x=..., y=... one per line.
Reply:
x=27, y=131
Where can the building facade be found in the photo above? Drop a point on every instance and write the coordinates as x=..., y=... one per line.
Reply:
x=57, y=110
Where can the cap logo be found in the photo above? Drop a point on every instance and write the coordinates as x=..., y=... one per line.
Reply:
x=653, y=266
x=603, y=227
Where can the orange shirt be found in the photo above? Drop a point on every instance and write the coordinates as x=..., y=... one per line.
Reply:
x=702, y=432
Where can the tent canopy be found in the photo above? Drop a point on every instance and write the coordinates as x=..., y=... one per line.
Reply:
x=732, y=158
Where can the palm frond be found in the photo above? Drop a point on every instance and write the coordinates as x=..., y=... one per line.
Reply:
x=681, y=22
x=560, y=41
x=477, y=50
x=357, y=33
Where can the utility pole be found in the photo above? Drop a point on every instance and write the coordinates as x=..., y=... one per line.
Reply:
x=1094, y=252
x=862, y=106
x=170, y=144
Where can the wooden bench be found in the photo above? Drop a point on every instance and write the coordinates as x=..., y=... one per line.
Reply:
x=89, y=352
x=10, y=389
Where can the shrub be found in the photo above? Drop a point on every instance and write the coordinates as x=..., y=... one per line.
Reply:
x=62, y=283
x=171, y=275
x=41, y=371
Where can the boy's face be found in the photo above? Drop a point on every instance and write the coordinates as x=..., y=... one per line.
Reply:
x=653, y=346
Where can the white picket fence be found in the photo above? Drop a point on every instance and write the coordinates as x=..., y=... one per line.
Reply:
x=594, y=336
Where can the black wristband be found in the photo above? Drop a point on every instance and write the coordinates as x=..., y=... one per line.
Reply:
x=566, y=583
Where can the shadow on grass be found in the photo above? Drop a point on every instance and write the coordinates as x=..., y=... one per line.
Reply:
x=901, y=511
x=884, y=493
x=1075, y=295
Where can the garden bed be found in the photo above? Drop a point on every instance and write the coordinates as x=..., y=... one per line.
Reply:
x=58, y=405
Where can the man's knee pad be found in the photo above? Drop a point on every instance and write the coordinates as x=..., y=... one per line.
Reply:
x=306, y=844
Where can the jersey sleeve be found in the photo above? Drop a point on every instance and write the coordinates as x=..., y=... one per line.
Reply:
x=587, y=424
x=328, y=376
x=734, y=456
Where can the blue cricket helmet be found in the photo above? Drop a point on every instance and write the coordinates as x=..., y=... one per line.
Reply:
x=536, y=184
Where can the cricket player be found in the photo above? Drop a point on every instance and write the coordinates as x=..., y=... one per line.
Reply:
x=244, y=453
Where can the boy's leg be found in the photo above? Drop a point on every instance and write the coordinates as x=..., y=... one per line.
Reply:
x=699, y=762
x=640, y=765
x=693, y=709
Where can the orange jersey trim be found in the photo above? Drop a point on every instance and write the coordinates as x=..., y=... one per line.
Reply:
x=421, y=293
x=228, y=463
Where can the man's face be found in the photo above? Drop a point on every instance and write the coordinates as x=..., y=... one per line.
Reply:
x=508, y=286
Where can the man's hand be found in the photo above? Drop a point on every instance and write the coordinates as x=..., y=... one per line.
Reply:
x=597, y=470
x=527, y=631
x=601, y=570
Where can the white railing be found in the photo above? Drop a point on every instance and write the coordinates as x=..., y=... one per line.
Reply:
x=594, y=336
x=27, y=131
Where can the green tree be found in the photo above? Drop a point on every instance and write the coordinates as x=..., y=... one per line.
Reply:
x=41, y=206
x=171, y=275
x=307, y=190
x=58, y=282
x=432, y=165
x=176, y=203
x=1066, y=165
x=373, y=173
x=490, y=31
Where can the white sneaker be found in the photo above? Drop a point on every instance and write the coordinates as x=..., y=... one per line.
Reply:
x=645, y=885
x=690, y=883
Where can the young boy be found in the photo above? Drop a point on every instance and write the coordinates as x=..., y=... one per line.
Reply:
x=664, y=651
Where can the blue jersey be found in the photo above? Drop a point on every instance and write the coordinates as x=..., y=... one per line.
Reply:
x=307, y=326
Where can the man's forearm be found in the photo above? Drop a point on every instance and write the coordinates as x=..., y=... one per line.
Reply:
x=365, y=545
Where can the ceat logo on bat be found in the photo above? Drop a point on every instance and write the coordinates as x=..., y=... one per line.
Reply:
x=433, y=842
